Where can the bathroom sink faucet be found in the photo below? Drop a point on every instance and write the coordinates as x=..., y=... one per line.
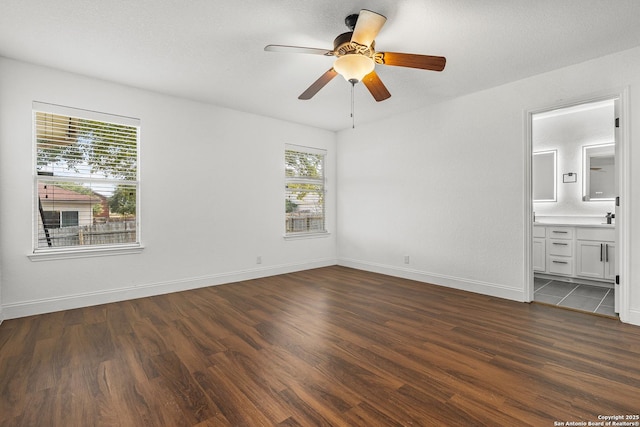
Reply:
x=610, y=216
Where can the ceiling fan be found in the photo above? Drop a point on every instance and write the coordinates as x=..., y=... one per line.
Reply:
x=356, y=56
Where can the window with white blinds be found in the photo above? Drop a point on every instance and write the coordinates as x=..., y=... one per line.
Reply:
x=86, y=179
x=304, y=190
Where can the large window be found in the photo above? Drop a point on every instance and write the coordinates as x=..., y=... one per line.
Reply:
x=305, y=192
x=86, y=179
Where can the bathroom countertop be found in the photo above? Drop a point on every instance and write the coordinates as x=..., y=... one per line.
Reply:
x=572, y=224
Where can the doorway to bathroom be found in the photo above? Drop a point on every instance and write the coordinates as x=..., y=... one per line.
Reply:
x=575, y=184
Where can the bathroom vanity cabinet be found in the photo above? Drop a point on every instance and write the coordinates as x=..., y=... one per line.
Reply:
x=581, y=251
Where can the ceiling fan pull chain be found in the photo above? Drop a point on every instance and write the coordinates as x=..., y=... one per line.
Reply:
x=353, y=118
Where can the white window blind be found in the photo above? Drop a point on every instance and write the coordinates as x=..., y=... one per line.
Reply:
x=304, y=190
x=86, y=178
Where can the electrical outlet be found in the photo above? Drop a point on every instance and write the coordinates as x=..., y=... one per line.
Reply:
x=259, y=259
x=406, y=259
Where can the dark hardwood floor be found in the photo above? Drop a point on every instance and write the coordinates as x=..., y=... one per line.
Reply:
x=331, y=346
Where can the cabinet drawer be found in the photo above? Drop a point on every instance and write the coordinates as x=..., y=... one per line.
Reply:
x=595, y=233
x=560, y=247
x=560, y=265
x=539, y=232
x=560, y=233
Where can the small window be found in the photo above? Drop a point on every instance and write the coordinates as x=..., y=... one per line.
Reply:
x=51, y=219
x=69, y=219
x=86, y=179
x=304, y=191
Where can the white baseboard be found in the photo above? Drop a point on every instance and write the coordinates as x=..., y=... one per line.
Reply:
x=634, y=317
x=475, y=286
x=68, y=302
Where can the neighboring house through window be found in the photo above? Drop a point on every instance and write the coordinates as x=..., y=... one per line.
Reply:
x=86, y=179
x=304, y=190
x=57, y=219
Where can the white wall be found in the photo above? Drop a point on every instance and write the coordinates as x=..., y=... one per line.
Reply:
x=445, y=185
x=204, y=170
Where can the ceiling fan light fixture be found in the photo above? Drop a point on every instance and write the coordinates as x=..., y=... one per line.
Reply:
x=354, y=67
x=356, y=57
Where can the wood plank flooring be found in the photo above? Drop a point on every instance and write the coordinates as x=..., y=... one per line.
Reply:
x=324, y=347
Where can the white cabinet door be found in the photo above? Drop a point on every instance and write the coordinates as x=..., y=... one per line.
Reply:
x=610, y=261
x=539, y=255
x=590, y=259
x=596, y=260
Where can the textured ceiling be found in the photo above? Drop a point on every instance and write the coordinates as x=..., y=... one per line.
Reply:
x=212, y=50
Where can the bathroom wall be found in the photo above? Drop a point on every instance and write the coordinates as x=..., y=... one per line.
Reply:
x=567, y=131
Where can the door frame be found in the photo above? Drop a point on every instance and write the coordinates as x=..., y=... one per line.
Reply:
x=623, y=169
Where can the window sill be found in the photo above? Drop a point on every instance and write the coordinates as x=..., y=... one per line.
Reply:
x=306, y=235
x=73, y=253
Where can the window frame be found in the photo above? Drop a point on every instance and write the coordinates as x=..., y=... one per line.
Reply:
x=323, y=182
x=40, y=253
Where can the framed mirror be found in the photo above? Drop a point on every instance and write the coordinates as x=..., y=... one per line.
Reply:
x=599, y=167
x=544, y=176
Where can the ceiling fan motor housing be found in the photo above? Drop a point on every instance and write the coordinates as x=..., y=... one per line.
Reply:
x=342, y=45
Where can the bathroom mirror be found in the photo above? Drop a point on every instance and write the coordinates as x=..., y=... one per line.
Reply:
x=598, y=172
x=544, y=176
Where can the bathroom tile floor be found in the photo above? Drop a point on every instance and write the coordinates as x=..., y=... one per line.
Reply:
x=594, y=299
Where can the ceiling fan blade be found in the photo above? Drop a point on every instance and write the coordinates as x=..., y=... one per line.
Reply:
x=297, y=49
x=318, y=84
x=411, y=60
x=375, y=86
x=367, y=27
